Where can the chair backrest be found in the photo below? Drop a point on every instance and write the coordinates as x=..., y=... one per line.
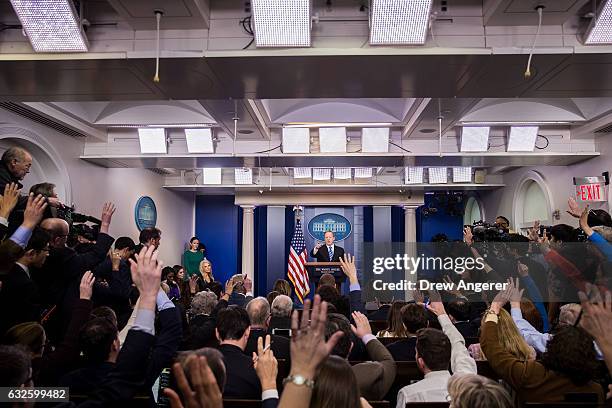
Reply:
x=388, y=340
x=380, y=404
x=378, y=325
x=241, y=403
x=138, y=401
x=427, y=405
x=562, y=405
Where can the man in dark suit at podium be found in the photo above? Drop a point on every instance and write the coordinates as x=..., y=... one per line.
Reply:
x=328, y=252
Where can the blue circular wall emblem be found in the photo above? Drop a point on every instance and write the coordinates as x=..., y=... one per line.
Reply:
x=145, y=213
x=339, y=225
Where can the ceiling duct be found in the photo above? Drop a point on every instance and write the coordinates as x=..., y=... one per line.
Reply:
x=605, y=129
x=34, y=116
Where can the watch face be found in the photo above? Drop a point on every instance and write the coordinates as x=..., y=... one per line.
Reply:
x=299, y=380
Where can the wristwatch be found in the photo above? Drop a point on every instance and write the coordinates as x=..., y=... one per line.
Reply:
x=299, y=380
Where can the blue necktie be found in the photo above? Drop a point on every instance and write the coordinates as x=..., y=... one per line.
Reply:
x=330, y=252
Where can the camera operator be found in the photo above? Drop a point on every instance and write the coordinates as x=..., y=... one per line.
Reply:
x=47, y=190
x=64, y=267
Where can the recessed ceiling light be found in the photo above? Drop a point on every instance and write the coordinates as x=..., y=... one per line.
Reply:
x=427, y=130
x=246, y=131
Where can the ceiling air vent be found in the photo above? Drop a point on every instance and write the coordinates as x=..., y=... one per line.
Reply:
x=605, y=129
x=43, y=120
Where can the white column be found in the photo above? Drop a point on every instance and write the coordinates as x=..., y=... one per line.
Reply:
x=410, y=243
x=410, y=223
x=248, y=242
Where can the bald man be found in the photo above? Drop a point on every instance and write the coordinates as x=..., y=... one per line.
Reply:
x=61, y=274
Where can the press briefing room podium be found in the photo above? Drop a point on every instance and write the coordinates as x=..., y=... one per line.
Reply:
x=317, y=269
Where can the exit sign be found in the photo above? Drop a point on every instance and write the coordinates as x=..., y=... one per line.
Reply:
x=590, y=188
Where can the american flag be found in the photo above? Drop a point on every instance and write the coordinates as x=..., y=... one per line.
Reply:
x=297, y=273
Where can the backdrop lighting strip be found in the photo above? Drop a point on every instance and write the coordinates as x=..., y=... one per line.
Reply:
x=282, y=23
x=51, y=25
x=399, y=22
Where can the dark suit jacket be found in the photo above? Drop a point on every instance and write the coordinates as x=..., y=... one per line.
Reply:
x=18, y=299
x=239, y=299
x=323, y=256
x=242, y=381
x=280, y=344
x=279, y=323
x=403, y=350
x=62, y=272
x=375, y=377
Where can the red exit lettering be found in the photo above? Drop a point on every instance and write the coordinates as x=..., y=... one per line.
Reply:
x=589, y=192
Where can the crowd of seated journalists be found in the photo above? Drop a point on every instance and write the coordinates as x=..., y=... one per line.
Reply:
x=113, y=324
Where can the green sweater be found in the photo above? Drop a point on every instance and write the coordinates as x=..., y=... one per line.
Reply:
x=191, y=262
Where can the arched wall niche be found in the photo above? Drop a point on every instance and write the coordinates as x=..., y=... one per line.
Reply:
x=47, y=165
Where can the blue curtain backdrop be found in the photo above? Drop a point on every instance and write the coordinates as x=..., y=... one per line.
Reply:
x=219, y=227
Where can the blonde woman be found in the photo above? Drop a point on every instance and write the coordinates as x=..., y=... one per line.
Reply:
x=205, y=275
x=511, y=340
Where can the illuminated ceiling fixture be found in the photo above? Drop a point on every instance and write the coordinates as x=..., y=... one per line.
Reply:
x=332, y=140
x=199, y=141
x=243, y=176
x=321, y=174
x=336, y=124
x=51, y=25
x=282, y=23
x=522, y=138
x=375, y=140
x=342, y=173
x=302, y=175
x=399, y=22
x=153, y=141
x=475, y=138
x=296, y=140
x=600, y=28
x=413, y=175
x=462, y=174
x=211, y=175
x=438, y=175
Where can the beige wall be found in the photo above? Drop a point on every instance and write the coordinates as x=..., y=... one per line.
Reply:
x=89, y=186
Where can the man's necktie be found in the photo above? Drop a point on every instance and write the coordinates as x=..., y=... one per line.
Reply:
x=330, y=252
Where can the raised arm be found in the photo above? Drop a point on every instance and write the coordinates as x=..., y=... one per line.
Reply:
x=461, y=361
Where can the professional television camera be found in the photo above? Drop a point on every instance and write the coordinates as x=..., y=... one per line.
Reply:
x=78, y=226
x=486, y=232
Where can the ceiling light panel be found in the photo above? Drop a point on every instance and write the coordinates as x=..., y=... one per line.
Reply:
x=302, y=172
x=363, y=172
x=51, y=25
x=199, y=141
x=413, y=175
x=600, y=29
x=332, y=140
x=282, y=23
x=462, y=174
x=321, y=174
x=375, y=140
x=211, y=175
x=152, y=141
x=399, y=22
x=243, y=176
x=475, y=138
x=342, y=173
x=522, y=138
x=296, y=140
x=438, y=175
